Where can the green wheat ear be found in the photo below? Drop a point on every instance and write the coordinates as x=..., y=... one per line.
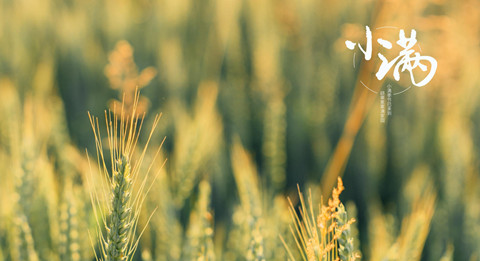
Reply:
x=120, y=218
x=24, y=241
x=123, y=183
x=69, y=249
x=346, y=248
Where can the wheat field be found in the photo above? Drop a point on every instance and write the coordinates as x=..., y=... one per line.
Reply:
x=236, y=130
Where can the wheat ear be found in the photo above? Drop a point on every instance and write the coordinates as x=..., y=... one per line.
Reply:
x=120, y=218
x=25, y=249
x=69, y=240
x=346, y=249
x=127, y=190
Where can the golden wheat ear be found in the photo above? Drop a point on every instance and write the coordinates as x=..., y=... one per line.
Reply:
x=323, y=236
x=124, y=189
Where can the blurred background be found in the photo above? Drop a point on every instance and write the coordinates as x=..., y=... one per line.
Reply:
x=272, y=79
